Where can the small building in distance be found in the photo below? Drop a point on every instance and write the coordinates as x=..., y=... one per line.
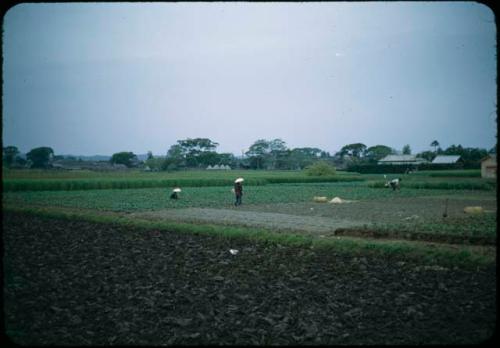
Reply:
x=402, y=160
x=446, y=159
x=489, y=166
x=218, y=167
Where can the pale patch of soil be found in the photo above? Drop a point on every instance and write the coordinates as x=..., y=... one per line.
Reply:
x=275, y=221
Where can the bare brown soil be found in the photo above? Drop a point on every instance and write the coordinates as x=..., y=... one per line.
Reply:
x=81, y=283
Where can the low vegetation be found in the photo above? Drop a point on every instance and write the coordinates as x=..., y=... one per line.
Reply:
x=321, y=168
x=86, y=180
x=283, y=192
x=442, y=185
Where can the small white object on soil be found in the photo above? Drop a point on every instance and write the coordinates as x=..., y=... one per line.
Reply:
x=473, y=210
x=320, y=199
x=336, y=200
x=233, y=251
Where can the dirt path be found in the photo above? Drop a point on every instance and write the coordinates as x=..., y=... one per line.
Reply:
x=275, y=221
x=386, y=210
x=73, y=282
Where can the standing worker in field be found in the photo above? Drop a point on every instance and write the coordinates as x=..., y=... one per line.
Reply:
x=238, y=190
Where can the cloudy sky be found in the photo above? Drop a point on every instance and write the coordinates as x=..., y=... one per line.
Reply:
x=97, y=78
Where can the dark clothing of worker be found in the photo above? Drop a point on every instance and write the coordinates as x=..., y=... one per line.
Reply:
x=174, y=195
x=238, y=191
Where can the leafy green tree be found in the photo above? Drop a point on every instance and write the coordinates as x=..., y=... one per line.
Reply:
x=197, y=151
x=355, y=150
x=21, y=161
x=324, y=154
x=435, y=145
x=301, y=157
x=127, y=158
x=277, y=153
x=9, y=155
x=175, y=159
x=206, y=158
x=40, y=157
x=228, y=159
x=454, y=150
x=406, y=150
x=150, y=155
x=258, y=153
x=428, y=155
x=277, y=145
x=377, y=152
x=470, y=156
x=155, y=163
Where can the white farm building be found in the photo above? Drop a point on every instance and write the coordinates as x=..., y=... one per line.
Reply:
x=441, y=159
x=402, y=160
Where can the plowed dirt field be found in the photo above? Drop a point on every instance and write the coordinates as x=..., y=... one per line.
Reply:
x=82, y=283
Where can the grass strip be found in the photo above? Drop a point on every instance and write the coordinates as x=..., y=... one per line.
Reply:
x=457, y=256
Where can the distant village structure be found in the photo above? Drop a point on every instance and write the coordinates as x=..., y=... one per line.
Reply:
x=402, y=160
x=87, y=165
x=219, y=167
x=489, y=166
x=442, y=159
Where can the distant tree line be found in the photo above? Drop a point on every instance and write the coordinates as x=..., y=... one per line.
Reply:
x=262, y=154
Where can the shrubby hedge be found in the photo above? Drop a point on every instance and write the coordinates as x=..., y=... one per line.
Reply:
x=443, y=185
x=401, y=168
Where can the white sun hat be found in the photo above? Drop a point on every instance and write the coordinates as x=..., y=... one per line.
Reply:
x=239, y=180
x=176, y=189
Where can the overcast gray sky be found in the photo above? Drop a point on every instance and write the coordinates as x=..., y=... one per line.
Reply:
x=97, y=78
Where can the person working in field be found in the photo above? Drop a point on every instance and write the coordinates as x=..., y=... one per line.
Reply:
x=175, y=192
x=394, y=183
x=238, y=190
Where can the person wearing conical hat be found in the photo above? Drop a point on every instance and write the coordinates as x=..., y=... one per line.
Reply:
x=238, y=190
x=175, y=192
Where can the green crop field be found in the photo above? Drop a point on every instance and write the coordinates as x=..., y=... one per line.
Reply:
x=137, y=174
x=275, y=201
x=37, y=180
x=209, y=197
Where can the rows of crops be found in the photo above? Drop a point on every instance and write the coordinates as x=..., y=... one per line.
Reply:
x=48, y=181
x=414, y=212
x=97, y=184
x=138, y=174
x=481, y=226
x=464, y=173
x=212, y=197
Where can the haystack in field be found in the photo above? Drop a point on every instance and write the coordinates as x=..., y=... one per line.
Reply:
x=336, y=200
x=320, y=199
x=473, y=210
